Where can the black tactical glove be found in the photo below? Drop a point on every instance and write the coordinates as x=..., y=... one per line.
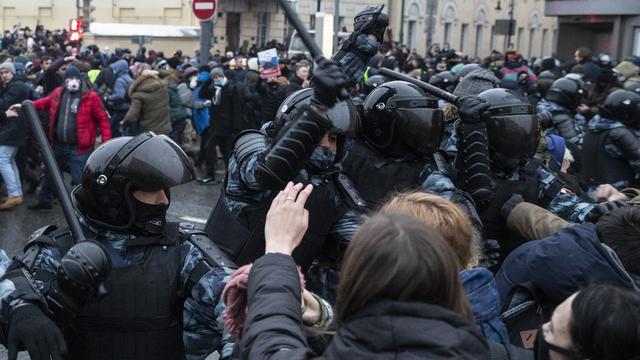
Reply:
x=491, y=249
x=31, y=328
x=328, y=80
x=604, y=208
x=546, y=119
x=510, y=204
x=471, y=109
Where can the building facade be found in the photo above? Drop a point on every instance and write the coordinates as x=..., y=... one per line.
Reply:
x=467, y=25
x=611, y=27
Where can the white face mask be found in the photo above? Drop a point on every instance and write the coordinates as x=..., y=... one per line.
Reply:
x=73, y=85
x=193, y=82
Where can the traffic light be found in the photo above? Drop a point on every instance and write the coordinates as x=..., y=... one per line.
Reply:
x=75, y=30
x=87, y=9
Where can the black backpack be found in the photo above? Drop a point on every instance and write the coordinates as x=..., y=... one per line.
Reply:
x=523, y=312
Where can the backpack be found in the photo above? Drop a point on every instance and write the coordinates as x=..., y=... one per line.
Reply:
x=523, y=313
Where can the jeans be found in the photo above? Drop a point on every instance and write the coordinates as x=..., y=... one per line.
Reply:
x=68, y=160
x=116, y=128
x=9, y=170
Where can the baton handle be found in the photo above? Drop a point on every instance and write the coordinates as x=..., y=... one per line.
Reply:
x=53, y=169
x=308, y=41
x=435, y=91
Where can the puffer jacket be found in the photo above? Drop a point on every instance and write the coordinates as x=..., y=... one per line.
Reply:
x=121, y=85
x=382, y=330
x=149, y=105
x=91, y=114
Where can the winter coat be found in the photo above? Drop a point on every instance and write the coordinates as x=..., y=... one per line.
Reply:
x=272, y=98
x=13, y=131
x=227, y=117
x=186, y=97
x=177, y=111
x=149, y=105
x=201, y=116
x=480, y=287
x=382, y=330
x=561, y=264
x=15, y=92
x=119, y=96
x=91, y=114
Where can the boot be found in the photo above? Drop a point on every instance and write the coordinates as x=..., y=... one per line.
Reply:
x=11, y=202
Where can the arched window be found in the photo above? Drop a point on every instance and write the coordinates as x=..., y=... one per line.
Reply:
x=480, y=21
x=449, y=16
x=413, y=11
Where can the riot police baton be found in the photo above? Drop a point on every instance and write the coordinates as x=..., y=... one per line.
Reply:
x=53, y=169
x=308, y=41
x=435, y=91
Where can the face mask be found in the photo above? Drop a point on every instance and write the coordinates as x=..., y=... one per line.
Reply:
x=541, y=349
x=193, y=82
x=73, y=85
x=322, y=158
x=220, y=81
x=150, y=219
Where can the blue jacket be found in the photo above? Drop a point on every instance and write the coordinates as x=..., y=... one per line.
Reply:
x=119, y=96
x=481, y=290
x=561, y=264
x=201, y=115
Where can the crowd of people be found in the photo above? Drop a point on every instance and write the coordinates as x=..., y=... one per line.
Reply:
x=360, y=217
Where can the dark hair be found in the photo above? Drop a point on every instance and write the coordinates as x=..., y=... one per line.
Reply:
x=397, y=257
x=584, y=52
x=605, y=323
x=620, y=230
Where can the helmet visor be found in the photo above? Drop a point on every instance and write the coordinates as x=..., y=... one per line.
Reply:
x=514, y=136
x=420, y=128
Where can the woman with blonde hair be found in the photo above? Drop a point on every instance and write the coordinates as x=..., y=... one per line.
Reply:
x=456, y=229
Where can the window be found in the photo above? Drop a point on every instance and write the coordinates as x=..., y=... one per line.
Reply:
x=520, y=39
x=464, y=38
x=545, y=40
x=413, y=33
x=448, y=28
x=263, y=29
x=493, y=38
x=636, y=42
x=479, y=40
x=532, y=34
x=312, y=22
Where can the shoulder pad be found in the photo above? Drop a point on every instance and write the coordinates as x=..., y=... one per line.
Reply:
x=42, y=236
x=210, y=251
x=248, y=143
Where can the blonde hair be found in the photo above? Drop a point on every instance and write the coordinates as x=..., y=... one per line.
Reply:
x=445, y=217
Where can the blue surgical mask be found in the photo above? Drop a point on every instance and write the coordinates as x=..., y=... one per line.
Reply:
x=322, y=158
x=220, y=81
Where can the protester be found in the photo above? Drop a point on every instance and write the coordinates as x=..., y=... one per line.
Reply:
x=75, y=114
x=417, y=290
x=12, y=133
x=149, y=109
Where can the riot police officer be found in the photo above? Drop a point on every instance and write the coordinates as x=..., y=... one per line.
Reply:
x=612, y=142
x=401, y=132
x=163, y=282
x=561, y=101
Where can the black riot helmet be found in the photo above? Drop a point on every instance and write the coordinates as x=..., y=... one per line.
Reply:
x=400, y=118
x=373, y=82
x=117, y=168
x=566, y=92
x=468, y=69
x=623, y=106
x=343, y=114
x=544, y=81
x=445, y=80
x=512, y=127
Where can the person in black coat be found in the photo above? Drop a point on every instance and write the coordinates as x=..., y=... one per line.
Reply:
x=400, y=296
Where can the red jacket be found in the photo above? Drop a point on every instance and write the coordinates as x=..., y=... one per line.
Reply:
x=90, y=115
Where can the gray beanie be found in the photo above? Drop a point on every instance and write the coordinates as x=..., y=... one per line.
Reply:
x=216, y=72
x=8, y=66
x=476, y=82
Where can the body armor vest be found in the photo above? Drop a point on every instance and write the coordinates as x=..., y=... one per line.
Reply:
x=140, y=317
x=495, y=226
x=600, y=168
x=377, y=178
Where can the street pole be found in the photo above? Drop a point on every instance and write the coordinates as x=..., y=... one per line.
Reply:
x=206, y=34
x=402, y=23
x=336, y=24
x=319, y=6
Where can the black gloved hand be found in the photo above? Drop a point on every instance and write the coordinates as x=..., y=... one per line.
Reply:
x=471, y=109
x=31, y=328
x=510, y=204
x=328, y=80
x=604, y=208
x=491, y=249
x=546, y=119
